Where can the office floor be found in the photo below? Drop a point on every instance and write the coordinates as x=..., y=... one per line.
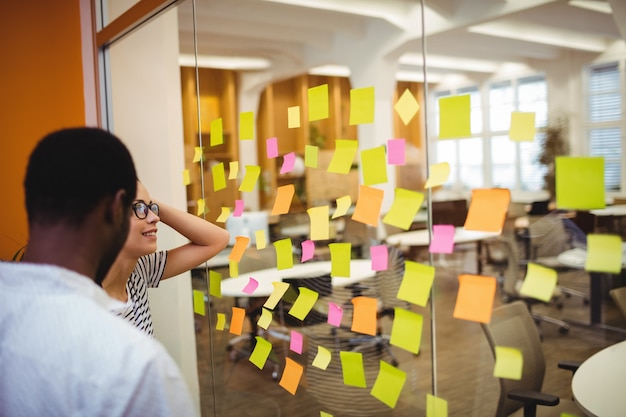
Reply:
x=232, y=386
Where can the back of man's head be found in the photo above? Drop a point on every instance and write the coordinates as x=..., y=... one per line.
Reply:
x=70, y=171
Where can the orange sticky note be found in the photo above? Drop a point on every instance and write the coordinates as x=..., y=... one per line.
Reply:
x=474, y=300
x=320, y=223
x=487, y=210
x=364, y=316
x=236, y=321
x=368, y=204
x=291, y=376
x=284, y=195
x=241, y=243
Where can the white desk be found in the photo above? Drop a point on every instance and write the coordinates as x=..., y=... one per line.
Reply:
x=598, y=384
x=616, y=210
x=233, y=287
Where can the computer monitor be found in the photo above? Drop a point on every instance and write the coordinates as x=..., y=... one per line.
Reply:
x=247, y=224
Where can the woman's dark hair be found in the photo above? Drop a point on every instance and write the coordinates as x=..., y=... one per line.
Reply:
x=70, y=171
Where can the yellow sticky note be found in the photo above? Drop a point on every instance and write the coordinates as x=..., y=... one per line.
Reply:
x=509, y=363
x=233, y=170
x=340, y=254
x=487, y=210
x=280, y=288
x=343, y=157
x=291, y=376
x=368, y=204
x=236, y=320
x=250, y=179
x=475, y=298
x=361, y=105
x=374, y=166
x=436, y=407
x=320, y=222
x=417, y=283
x=241, y=243
x=261, y=239
x=318, y=102
x=406, y=106
x=322, y=358
x=262, y=350
x=539, y=283
x=186, y=177
x=219, y=176
x=293, y=117
x=352, y=368
x=284, y=196
x=343, y=204
x=198, y=302
x=215, y=284
x=311, y=156
x=304, y=303
x=388, y=384
x=246, y=125
x=325, y=414
x=233, y=268
x=223, y=215
x=579, y=182
x=198, y=154
x=221, y=321
x=454, y=117
x=266, y=318
x=604, y=253
x=406, y=332
x=438, y=175
x=217, y=132
x=406, y=204
x=284, y=253
x=201, y=207
x=522, y=126
x=364, y=315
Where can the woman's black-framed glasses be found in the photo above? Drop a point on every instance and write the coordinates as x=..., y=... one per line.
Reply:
x=141, y=209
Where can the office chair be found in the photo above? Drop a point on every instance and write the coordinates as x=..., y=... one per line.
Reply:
x=618, y=295
x=512, y=325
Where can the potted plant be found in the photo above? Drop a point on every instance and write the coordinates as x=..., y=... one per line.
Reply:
x=555, y=144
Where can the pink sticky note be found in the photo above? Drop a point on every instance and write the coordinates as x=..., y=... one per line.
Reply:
x=379, y=257
x=238, y=208
x=251, y=286
x=335, y=314
x=396, y=151
x=288, y=162
x=443, y=239
x=295, y=342
x=308, y=249
x=272, y=147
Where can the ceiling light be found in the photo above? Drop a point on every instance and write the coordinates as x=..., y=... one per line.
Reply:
x=224, y=62
x=596, y=6
x=446, y=62
x=418, y=76
x=331, y=70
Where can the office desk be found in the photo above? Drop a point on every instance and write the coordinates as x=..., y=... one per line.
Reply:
x=598, y=384
x=616, y=210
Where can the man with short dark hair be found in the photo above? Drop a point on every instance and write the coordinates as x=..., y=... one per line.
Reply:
x=61, y=352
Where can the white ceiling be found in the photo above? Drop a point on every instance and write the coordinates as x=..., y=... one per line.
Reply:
x=460, y=35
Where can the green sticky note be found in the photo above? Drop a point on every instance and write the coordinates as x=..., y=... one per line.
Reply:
x=374, y=165
x=217, y=132
x=352, y=368
x=539, y=283
x=454, y=117
x=522, y=126
x=604, y=253
x=219, y=176
x=250, y=179
x=361, y=105
x=198, y=302
x=340, y=254
x=246, y=125
x=261, y=352
x=318, y=102
x=509, y=363
x=215, y=284
x=310, y=156
x=320, y=222
x=436, y=407
x=388, y=384
x=221, y=321
x=324, y=414
x=304, y=303
x=406, y=204
x=284, y=253
x=417, y=283
x=343, y=157
x=579, y=183
x=406, y=332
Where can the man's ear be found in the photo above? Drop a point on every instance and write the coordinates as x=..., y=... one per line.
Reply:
x=116, y=209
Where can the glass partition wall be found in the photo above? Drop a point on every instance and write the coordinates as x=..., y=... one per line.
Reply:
x=302, y=315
